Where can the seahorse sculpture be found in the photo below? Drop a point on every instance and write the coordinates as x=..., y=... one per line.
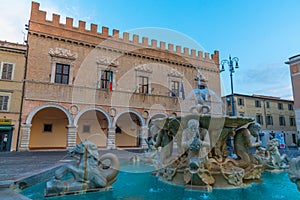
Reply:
x=90, y=173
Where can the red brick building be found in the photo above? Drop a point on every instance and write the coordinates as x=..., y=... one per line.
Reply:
x=294, y=63
x=82, y=84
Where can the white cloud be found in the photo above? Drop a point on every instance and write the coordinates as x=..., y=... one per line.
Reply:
x=284, y=91
x=13, y=17
x=16, y=13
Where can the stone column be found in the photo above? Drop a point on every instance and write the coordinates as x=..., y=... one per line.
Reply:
x=143, y=135
x=71, y=137
x=111, y=138
x=25, y=136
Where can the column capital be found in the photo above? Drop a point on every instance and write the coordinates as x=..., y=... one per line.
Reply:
x=24, y=125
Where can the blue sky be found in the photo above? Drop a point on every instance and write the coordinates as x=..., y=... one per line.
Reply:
x=262, y=34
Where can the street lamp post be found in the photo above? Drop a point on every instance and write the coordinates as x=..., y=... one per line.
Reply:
x=230, y=63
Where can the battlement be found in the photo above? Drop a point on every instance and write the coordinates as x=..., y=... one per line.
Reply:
x=38, y=19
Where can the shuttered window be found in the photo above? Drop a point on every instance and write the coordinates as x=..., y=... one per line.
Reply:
x=7, y=71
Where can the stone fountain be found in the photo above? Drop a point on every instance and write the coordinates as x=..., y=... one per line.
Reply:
x=90, y=173
x=202, y=160
x=294, y=171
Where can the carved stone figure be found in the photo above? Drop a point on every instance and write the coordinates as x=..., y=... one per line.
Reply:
x=196, y=172
x=234, y=175
x=152, y=137
x=162, y=138
x=63, y=53
x=201, y=132
x=294, y=171
x=242, y=141
x=190, y=133
x=200, y=107
x=220, y=150
x=276, y=161
x=91, y=172
x=164, y=144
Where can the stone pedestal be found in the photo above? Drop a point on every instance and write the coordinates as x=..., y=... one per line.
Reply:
x=111, y=138
x=71, y=138
x=25, y=137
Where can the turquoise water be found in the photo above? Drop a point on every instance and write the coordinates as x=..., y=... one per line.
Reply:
x=135, y=182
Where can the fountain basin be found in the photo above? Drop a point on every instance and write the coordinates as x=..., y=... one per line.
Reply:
x=138, y=183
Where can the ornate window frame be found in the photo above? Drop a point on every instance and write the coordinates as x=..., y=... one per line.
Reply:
x=62, y=56
x=143, y=70
x=106, y=64
x=176, y=76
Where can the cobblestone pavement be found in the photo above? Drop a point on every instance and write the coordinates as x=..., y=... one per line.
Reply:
x=15, y=165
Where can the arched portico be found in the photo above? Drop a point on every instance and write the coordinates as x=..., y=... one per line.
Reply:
x=93, y=124
x=129, y=126
x=37, y=109
x=47, y=127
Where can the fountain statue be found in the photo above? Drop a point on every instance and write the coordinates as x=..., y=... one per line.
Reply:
x=91, y=173
x=202, y=161
x=275, y=159
x=294, y=171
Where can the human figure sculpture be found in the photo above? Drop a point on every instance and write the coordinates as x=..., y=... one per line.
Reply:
x=191, y=132
x=90, y=173
x=191, y=168
x=152, y=137
x=162, y=138
x=242, y=142
x=165, y=144
x=205, y=145
x=195, y=142
x=276, y=160
x=200, y=99
x=220, y=150
x=194, y=136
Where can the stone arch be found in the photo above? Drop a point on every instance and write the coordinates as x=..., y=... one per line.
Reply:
x=96, y=109
x=93, y=124
x=155, y=115
x=129, y=111
x=47, y=127
x=37, y=109
x=129, y=126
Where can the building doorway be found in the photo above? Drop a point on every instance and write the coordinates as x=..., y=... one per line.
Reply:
x=5, y=137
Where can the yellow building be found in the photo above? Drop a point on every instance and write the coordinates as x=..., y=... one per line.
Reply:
x=12, y=62
x=275, y=115
x=102, y=86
